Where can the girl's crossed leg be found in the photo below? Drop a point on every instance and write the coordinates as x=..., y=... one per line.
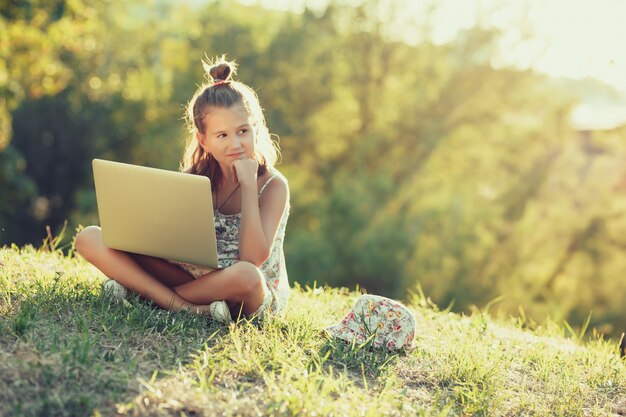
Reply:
x=169, y=286
x=242, y=284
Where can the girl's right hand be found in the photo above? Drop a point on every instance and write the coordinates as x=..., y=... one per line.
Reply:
x=246, y=172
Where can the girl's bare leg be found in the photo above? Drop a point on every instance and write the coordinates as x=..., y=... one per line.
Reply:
x=241, y=285
x=169, y=274
x=121, y=267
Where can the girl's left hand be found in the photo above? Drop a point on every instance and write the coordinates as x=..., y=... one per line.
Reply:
x=246, y=170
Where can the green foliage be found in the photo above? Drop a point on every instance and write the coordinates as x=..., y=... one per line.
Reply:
x=67, y=128
x=17, y=193
x=409, y=164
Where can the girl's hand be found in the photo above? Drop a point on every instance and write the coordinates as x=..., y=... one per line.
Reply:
x=246, y=171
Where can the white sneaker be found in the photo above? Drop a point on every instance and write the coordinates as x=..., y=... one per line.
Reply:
x=220, y=312
x=115, y=290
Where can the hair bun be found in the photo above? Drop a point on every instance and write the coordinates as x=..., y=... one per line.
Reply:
x=220, y=69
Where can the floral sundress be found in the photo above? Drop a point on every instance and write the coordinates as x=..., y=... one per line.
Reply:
x=274, y=270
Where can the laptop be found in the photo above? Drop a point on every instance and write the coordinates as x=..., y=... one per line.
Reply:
x=156, y=212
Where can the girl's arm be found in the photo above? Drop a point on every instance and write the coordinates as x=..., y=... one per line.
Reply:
x=259, y=219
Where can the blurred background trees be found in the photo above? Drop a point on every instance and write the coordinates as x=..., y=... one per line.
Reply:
x=411, y=164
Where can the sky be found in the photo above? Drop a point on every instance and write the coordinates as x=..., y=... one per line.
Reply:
x=599, y=50
x=568, y=38
x=571, y=38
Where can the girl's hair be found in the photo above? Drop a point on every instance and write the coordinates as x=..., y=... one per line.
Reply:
x=223, y=92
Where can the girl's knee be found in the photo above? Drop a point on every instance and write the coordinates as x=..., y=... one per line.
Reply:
x=88, y=241
x=249, y=277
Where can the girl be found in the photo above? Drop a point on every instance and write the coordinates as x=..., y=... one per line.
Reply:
x=230, y=144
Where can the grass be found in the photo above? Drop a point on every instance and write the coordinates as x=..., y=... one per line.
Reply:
x=67, y=350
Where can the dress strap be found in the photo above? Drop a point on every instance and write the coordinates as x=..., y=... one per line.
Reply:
x=265, y=185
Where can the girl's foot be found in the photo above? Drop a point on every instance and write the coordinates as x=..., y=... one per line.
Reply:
x=219, y=312
x=115, y=290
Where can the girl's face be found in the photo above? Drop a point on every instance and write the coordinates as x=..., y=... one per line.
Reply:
x=228, y=135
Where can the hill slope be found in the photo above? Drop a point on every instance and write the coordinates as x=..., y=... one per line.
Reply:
x=65, y=350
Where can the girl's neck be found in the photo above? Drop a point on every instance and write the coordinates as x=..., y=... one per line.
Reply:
x=227, y=181
x=227, y=175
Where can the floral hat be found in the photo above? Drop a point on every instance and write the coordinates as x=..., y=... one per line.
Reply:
x=389, y=323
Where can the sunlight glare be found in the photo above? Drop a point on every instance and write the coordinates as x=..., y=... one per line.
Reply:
x=563, y=38
x=584, y=39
